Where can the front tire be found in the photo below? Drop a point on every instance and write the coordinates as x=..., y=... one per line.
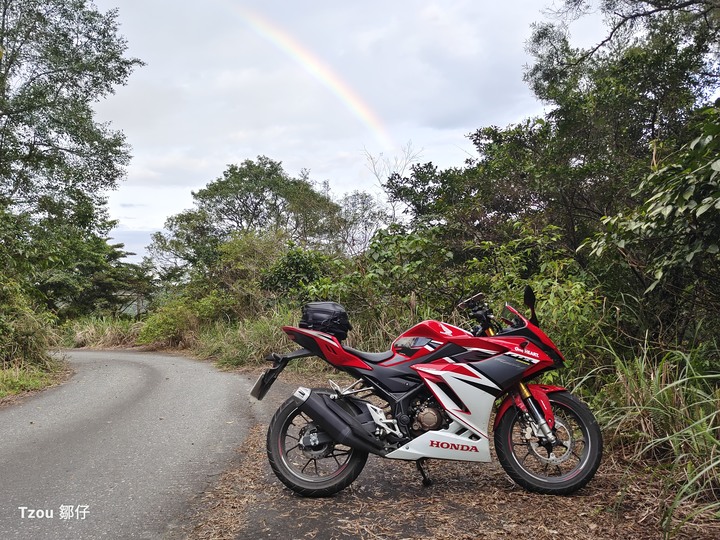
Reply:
x=318, y=470
x=568, y=465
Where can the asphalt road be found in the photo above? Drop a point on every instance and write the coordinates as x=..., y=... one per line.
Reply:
x=119, y=450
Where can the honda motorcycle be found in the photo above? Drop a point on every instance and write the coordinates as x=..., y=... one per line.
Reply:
x=431, y=396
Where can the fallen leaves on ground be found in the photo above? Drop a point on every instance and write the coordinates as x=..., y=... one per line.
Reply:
x=466, y=501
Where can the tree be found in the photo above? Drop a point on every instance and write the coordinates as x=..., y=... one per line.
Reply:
x=59, y=57
x=361, y=216
x=700, y=18
x=260, y=195
x=672, y=240
x=56, y=161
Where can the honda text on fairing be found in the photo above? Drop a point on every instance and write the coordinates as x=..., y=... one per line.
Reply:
x=431, y=395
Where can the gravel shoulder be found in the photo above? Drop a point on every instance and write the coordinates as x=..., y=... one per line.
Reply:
x=388, y=501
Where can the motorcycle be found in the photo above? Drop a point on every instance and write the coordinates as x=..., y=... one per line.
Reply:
x=431, y=396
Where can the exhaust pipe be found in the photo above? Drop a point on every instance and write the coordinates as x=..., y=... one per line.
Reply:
x=340, y=425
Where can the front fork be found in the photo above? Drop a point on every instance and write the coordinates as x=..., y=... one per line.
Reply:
x=526, y=399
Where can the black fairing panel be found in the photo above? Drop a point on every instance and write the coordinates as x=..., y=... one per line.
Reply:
x=503, y=370
x=527, y=333
x=395, y=379
x=307, y=343
x=401, y=378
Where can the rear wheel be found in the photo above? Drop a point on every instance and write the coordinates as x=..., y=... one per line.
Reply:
x=558, y=469
x=305, y=459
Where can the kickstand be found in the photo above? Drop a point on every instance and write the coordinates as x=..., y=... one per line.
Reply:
x=420, y=463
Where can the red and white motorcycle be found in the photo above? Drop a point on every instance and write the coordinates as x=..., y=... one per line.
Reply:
x=431, y=395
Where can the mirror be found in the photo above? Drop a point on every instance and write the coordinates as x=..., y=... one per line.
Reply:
x=529, y=297
x=529, y=300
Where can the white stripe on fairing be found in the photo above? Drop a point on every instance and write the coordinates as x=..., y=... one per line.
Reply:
x=487, y=351
x=322, y=336
x=521, y=357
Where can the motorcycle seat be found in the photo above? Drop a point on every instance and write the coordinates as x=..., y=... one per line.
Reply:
x=374, y=358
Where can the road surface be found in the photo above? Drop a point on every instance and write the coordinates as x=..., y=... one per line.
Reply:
x=120, y=449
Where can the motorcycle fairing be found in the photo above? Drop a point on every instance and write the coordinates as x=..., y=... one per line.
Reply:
x=466, y=395
x=395, y=377
x=325, y=346
x=437, y=330
x=455, y=443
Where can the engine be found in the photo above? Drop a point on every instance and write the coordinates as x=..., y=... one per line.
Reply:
x=427, y=415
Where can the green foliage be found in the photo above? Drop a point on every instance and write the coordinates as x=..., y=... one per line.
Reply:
x=668, y=412
x=569, y=303
x=174, y=324
x=398, y=269
x=56, y=164
x=246, y=342
x=60, y=57
x=475, y=202
x=259, y=195
x=678, y=226
x=239, y=272
x=24, y=328
x=256, y=197
x=292, y=272
x=25, y=379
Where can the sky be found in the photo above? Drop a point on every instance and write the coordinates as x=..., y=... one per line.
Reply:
x=315, y=84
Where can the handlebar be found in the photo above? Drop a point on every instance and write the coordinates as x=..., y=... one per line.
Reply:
x=472, y=301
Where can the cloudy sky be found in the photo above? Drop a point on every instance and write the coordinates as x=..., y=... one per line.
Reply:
x=315, y=84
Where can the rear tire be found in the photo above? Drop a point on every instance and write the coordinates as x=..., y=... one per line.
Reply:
x=571, y=462
x=312, y=471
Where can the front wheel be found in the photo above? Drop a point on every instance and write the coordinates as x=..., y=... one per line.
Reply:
x=558, y=469
x=305, y=459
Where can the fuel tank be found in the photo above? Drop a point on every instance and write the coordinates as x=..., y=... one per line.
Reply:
x=426, y=336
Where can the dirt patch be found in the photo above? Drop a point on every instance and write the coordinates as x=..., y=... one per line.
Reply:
x=466, y=501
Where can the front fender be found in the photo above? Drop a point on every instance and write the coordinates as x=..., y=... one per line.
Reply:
x=539, y=393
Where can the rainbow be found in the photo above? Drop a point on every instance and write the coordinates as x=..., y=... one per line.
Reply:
x=320, y=71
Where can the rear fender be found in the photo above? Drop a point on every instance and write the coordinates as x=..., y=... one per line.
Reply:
x=266, y=380
x=539, y=393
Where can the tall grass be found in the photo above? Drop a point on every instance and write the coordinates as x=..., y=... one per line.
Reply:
x=666, y=411
x=245, y=342
x=99, y=332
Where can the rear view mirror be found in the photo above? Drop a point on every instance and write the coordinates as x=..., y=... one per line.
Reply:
x=529, y=299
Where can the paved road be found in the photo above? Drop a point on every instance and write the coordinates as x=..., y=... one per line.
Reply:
x=118, y=450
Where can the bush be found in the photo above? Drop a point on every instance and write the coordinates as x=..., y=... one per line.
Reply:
x=25, y=334
x=246, y=342
x=175, y=324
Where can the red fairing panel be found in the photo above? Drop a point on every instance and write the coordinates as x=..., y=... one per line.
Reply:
x=435, y=330
x=326, y=346
x=425, y=337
